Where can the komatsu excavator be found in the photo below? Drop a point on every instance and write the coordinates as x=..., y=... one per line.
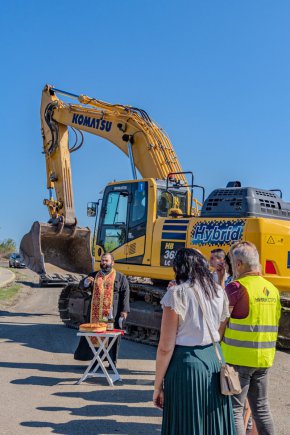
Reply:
x=143, y=222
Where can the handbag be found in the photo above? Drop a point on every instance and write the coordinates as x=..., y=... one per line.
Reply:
x=229, y=378
x=230, y=382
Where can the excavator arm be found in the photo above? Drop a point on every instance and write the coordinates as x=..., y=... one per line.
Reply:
x=60, y=247
x=129, y=128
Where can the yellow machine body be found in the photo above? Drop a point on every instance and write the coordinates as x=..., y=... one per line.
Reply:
x=151, y=255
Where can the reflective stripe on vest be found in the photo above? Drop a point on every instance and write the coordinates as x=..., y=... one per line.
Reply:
x=251, y=341
x=253, y=328
x=250, y=344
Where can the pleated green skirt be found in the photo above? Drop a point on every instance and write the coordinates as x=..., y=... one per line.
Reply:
x=193, y=404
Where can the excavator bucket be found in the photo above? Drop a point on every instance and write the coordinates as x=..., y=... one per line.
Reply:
x=57, y=253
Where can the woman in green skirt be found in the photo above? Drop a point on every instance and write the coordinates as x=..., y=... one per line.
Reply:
x=187, y=369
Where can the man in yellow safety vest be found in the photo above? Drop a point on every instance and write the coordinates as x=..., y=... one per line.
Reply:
x=249, y=341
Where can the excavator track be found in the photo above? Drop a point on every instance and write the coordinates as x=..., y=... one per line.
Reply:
x=143, y=323
x=63, y=307
x=283, y=341
x=73, y=305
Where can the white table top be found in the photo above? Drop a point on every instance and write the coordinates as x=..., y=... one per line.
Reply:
x=99, y=334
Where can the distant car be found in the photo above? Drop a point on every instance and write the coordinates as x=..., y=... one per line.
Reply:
x=16, y=261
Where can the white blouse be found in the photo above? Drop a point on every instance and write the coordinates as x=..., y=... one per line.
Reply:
x=192, y=329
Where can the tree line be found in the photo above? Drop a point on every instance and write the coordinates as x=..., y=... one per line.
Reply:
x=7, y=246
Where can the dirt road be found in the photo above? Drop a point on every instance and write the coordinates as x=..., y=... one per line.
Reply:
x=38, y=377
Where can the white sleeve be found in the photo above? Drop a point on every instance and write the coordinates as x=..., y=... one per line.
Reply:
x=175, y=299
x=225, y=312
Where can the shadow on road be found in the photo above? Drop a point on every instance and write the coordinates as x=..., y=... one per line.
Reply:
x=96, y=427
x=46, y=337
x=28, y=283
x=106, y=410
x=49, y=368
x=79, y=370
x=56, y=338
x=12, y=314
x=110, y=395
x=111, y=404
x=138, y=351
x=66, y=368
x=43, y=381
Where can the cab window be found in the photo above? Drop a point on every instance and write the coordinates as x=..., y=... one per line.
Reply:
x=168, y=199
x=116, y=208
x=139, y=204
x=112, y=238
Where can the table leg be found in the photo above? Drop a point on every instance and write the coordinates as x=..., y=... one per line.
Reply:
x=118, y=377
x=99, y=357
x=95, y=358
x=102, y=348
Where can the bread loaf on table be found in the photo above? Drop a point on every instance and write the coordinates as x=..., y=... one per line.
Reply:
x=93, y=327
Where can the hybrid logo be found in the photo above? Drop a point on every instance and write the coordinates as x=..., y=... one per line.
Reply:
x=217, y=232
x=87, y=121
x=266, y=291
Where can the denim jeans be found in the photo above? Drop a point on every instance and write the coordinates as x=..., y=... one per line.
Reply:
x=254, y=383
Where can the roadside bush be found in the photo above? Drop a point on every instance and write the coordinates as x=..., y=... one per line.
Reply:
x=7, y=246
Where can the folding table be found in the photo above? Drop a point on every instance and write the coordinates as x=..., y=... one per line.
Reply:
x=101, y=353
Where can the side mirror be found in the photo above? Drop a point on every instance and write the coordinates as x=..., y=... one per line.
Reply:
x=92, y=209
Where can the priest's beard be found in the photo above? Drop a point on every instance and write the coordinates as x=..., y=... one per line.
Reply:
x=106, y=269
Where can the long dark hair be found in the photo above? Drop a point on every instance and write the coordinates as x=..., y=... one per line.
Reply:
x=228, y=261
x=189, y=264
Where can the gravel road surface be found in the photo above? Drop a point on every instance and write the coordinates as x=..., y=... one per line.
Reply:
x=39, y=375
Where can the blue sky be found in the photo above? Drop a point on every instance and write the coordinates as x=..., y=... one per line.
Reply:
x=214, y=74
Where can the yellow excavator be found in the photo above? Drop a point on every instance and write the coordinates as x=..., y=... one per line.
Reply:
x=144, y=221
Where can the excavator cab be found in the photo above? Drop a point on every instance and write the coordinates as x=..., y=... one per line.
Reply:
x=129, y=213
x=123, y=218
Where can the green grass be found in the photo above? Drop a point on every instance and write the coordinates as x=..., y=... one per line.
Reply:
x=9, y=292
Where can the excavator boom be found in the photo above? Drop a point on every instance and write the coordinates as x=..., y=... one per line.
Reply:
x=60, y=244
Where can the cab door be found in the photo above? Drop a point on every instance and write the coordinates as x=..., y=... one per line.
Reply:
x=123, y=220
x=137, y=222
x=113, y=225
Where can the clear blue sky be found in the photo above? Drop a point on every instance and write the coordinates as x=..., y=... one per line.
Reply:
x=214, y=74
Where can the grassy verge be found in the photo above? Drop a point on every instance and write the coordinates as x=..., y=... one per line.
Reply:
x=9, y=292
